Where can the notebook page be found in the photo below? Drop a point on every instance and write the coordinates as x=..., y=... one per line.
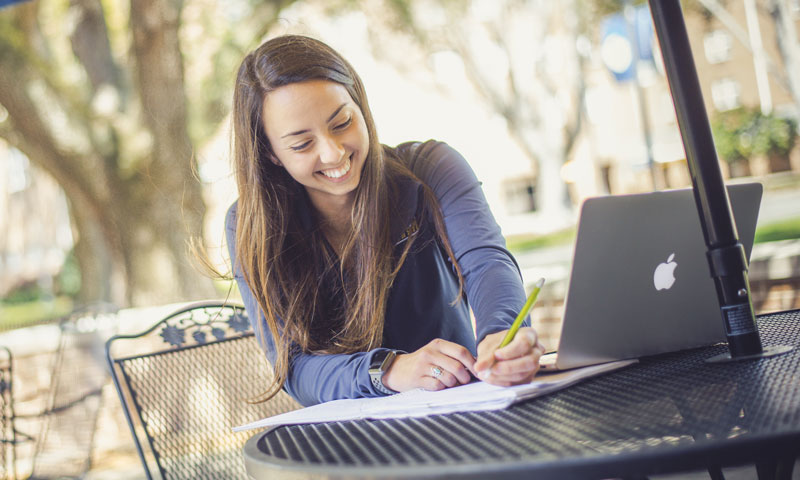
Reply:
x=476, y=396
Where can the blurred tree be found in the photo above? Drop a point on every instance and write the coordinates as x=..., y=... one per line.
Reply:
x=525, y=58
x=785, y=17
x=744, y=133
x=95, y=92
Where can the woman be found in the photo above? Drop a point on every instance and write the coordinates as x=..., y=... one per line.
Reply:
x=355, y=260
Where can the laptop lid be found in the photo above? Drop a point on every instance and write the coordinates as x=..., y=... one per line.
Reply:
x=617, y=306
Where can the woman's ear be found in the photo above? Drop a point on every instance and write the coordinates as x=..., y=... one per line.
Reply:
x=274, y=159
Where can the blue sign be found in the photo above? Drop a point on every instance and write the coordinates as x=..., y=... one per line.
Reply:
x=625, y=42
x=6, y=3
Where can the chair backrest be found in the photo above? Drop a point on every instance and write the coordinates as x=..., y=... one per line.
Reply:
x=8, y=452
x=185, y=382
x=74, y=397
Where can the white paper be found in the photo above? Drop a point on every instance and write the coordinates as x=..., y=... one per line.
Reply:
x=418, y=403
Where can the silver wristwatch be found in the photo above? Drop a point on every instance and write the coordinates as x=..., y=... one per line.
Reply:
x=381, y=361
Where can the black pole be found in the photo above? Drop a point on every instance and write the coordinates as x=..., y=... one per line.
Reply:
x=726, y=257
x=630, y=21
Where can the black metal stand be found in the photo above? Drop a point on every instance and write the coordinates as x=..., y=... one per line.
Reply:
x=726, y=257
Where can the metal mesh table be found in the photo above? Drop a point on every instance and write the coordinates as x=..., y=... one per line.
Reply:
x=667, y=413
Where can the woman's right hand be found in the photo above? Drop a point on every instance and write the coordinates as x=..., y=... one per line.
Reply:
x=418, y=369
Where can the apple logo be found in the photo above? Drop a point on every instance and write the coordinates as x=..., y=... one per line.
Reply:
x=664, y=276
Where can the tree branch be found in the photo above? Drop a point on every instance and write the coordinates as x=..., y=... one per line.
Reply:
x=28, y=50
x=27, y=132
x=91, y=45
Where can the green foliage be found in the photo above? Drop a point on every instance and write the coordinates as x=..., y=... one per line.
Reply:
x=601, y=8
x=742, y=133
x=731, y=134
x=774, y=135
x=67, y=284
x=68, y=280
x=607, y=7
x=28, y=292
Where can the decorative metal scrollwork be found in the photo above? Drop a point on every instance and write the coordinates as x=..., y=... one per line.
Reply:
x=204, y=325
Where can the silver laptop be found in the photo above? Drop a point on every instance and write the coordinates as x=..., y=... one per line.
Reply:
x=640, y=283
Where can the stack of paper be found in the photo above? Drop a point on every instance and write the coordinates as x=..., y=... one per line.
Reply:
x=418, y=403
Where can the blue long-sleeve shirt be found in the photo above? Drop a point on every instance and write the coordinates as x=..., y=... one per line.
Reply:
x=419, y=307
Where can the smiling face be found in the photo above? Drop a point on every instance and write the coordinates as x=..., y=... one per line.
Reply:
x=319, y=136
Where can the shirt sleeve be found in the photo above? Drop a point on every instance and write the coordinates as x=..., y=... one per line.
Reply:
x=313, y=378
x=491, y=275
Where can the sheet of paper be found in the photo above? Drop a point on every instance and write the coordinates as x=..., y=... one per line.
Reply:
x=475, y=396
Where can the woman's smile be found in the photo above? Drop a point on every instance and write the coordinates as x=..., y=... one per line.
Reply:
x=339, y=173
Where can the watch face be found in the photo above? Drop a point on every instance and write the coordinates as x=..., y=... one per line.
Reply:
x=379, y=363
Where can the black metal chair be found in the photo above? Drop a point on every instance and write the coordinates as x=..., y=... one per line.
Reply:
x=8, y=452
x=78, y=373
x=185, y=382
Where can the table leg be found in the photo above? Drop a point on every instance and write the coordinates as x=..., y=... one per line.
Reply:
x=777, y=469
x=716, y=473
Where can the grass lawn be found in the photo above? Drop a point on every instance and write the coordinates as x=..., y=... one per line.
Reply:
x=523, y=243
x=783, y=230
x=18, y=315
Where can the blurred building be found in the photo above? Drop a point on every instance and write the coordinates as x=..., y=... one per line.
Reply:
x=739, y=64
x=739, y=59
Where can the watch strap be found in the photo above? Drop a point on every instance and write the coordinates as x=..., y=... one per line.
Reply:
x=377, y=382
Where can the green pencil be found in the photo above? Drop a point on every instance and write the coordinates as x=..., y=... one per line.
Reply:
x=522, y=313
x=484, y=374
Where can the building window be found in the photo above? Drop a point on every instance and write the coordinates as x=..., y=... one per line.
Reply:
x=725, y=94
x=717, y=45
x=519, y=195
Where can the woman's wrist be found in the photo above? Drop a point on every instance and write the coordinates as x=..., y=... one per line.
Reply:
x=381, y=363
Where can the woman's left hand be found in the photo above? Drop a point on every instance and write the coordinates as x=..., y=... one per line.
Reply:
x=514, y=364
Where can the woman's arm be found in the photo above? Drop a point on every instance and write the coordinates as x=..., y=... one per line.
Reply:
x=312, y=378
x=492, y=279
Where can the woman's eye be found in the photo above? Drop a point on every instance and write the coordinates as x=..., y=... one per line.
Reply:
x=298, y=148
x=344, y=124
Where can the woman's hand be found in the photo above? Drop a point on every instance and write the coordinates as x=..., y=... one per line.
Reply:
x=437, y=365
x=514, y=364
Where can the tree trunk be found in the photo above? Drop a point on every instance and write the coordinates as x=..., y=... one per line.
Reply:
x=131, y=226
x=171, y=173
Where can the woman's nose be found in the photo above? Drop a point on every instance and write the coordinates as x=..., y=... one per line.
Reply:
x=332, y=151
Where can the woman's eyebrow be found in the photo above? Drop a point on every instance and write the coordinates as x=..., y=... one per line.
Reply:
x=333, y=115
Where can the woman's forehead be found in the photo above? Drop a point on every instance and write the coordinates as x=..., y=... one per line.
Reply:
x=296, y=103
x=305, y=95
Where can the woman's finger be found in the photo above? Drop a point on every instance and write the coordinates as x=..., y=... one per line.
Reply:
x=439, y=373
x=460, y=355
x=486, y=350
x=452, y=366
x=432, y=384
x=523, y=343
x=516, y=367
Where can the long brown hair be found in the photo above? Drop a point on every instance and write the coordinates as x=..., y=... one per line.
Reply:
x=282, y=261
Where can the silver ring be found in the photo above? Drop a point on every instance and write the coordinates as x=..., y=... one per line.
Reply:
x=436, y=372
